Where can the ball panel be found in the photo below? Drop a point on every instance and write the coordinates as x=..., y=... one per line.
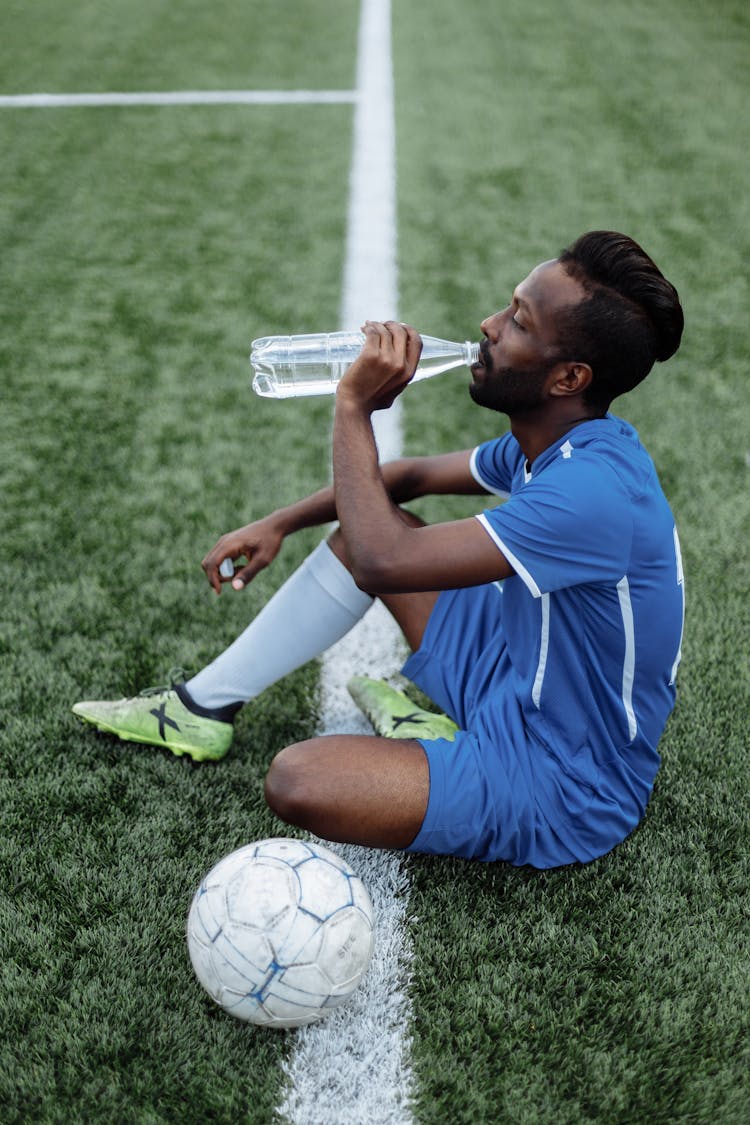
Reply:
x=324, y=889
x=208, y=909
x=303, y=933
x=245, y=964
x=299, y=987
x=346, y=949
x=246, y=1008
x=262, y=895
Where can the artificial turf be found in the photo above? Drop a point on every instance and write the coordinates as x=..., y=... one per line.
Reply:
x=142, y=249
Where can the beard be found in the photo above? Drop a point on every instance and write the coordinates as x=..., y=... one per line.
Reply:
x=510, y=390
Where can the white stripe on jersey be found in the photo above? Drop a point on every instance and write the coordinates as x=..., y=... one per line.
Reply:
x=517, y=565
x=628, y=665
x=681, y=584
x=536, y=691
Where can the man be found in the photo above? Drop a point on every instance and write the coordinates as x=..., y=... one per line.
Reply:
x=548, y=627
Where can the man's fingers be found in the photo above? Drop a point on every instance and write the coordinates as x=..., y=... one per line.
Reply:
x=212, y=572
x=407, y=345
x=246, y=574
x=388, y=361
x=413, y=349
x=218, y=572
x=373, y=331
x=242, y=577
x=378, y=340
x=400, y=345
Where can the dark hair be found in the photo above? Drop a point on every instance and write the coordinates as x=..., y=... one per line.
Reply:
x=630, y=317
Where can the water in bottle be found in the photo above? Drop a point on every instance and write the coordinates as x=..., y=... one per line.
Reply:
x=295, y=366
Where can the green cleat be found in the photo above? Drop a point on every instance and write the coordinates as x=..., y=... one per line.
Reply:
x=159, y=717
x=394, y=715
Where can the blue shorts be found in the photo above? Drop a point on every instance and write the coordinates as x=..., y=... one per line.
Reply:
x=496, y=793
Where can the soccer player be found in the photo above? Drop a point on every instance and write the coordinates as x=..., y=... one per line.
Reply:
x=548, y=627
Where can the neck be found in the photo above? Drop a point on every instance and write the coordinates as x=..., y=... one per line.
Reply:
x=535, y=435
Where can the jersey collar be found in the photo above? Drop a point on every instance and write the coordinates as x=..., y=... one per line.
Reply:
x=579, y=435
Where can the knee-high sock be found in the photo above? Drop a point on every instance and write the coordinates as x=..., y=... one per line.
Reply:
x=314, y=608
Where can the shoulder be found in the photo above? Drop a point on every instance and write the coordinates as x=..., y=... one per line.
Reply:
x=576, y=484
x=601, y=457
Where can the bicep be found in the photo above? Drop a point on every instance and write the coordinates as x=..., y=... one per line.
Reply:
x=447, y=474
x=443, y=556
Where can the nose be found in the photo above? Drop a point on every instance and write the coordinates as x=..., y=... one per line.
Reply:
x=490, y=327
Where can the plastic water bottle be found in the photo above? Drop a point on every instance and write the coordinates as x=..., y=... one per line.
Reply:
x=295, y=366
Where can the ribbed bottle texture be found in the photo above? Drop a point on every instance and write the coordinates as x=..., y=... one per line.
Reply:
x=296, y=366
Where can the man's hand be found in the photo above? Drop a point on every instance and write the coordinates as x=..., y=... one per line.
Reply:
x=258, y=542
x=383, y=368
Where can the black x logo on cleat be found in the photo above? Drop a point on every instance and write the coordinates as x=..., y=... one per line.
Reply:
x=413, y=718
x=164, y=719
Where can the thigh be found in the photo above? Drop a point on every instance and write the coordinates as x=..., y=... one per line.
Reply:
x=357, y=789
x=411, y=613
x=487, y=801
x=462, y=657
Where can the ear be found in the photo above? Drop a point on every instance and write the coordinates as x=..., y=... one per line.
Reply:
x=570, y=379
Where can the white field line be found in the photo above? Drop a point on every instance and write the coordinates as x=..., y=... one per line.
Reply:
x=180, y=97
x=353, y=1067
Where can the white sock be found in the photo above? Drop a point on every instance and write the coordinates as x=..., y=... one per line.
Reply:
x=314, y=608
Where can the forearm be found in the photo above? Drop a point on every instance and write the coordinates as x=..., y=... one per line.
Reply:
x=365, y=506
x=314, y=510
x=404, y=479
x=311, y=511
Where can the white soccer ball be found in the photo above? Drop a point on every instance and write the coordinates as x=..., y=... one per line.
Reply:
x=280, y=932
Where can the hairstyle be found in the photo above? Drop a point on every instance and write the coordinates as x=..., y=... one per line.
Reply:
x=630, y=317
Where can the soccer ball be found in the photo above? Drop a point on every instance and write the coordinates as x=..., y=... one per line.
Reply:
x=280, y=932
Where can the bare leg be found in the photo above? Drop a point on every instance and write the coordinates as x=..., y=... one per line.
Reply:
x=356, y=789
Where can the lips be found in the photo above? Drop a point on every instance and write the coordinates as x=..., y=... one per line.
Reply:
x=482, y=362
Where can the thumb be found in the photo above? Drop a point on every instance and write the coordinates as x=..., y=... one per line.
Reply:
x=246, y=574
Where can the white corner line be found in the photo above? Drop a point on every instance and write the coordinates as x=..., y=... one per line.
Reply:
x=180, y=97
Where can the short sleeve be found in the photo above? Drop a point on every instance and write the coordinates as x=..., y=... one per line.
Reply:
x=571, y=525
x=494, y=463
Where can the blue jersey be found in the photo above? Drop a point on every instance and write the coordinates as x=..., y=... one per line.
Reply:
x=592, y=619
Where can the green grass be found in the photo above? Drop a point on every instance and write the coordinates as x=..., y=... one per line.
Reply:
x=96, y=45
x=142, y=250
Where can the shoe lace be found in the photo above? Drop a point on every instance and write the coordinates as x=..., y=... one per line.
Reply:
x=176, y=676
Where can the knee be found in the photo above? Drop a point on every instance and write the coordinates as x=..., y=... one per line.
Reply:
x=286, y=790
